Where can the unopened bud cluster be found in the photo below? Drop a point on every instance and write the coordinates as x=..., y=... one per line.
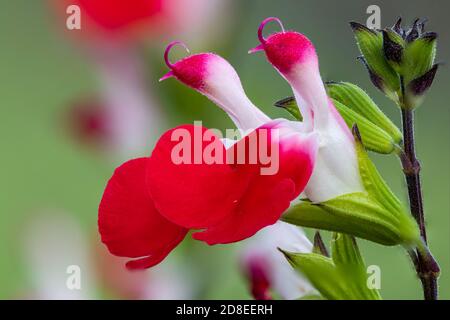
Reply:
x=400, y=60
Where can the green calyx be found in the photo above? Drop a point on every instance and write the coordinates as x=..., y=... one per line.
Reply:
x=370, y=43
x=376, y=214
x=342, y=277
x=378, y=132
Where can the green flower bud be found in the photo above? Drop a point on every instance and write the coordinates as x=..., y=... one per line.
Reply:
x=383, y=76
x=373, y=137
x=409, y=53
x=359, y=101
x=419, y=69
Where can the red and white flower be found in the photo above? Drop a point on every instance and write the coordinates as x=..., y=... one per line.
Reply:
x=150, y=203
x=336, y=169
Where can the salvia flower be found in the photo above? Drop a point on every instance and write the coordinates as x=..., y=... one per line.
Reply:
x=336, y=170
x=344, y=183
x=150, y=203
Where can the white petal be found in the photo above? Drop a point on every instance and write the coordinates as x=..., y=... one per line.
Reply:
x=224, y=88
x=336, y=171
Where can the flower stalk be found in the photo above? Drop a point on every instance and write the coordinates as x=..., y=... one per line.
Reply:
x=426, y=266
x=401, y=64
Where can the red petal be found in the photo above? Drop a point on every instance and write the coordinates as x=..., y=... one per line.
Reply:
x=192, y=195
x=267, y=196
x=129, y=224
x=116, y=14
x=153, y=260
x=231, y=201
x=261, y=206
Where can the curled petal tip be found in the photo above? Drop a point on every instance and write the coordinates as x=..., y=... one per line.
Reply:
x=169, y=47
x=263, y=24
x=166, y=76
x=256, y=49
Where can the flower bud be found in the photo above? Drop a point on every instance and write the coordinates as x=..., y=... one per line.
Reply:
x=383, y=76
x=359, y=101
x=408, y=52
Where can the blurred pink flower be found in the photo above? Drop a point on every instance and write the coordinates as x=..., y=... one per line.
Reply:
x=266, y=267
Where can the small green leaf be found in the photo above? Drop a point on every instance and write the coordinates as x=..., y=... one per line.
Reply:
x=370, y=44
x=359, y=101
x=290, y=105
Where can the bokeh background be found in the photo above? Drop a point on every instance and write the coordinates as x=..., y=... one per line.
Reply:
x=55, y=159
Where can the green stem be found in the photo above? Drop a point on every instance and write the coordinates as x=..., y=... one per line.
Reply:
x=426, y=266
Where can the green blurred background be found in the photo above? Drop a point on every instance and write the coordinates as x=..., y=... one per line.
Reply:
x=42, y=167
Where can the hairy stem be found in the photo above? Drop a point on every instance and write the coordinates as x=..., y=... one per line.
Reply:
x=426, y=266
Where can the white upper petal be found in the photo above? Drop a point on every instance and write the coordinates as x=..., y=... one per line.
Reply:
x=336, y=169
x=224, y=88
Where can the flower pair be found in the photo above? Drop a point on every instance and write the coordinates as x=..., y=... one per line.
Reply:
x=151, y=203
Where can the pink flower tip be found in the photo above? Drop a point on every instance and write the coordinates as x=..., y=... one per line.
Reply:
x=259, y=47
x=166, y=76
x=263, y=24
x=169, y=47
